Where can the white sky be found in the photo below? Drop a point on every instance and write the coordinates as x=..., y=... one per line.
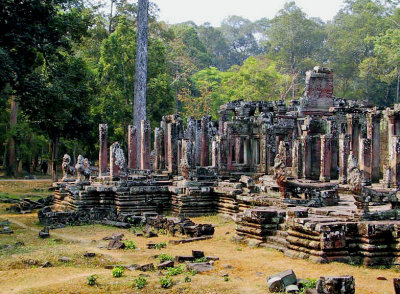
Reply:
x=214, y=11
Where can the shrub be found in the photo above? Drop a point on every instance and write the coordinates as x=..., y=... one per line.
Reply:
x=160, y=245
x=188, y=279
x=174, y=271
x=166, y=282
x=130, y=245
x=309, y=284
x=140, y=282
x=226, y=279
x=164, y=257
x=201, y=259
x=118, y=271
x=92, y=280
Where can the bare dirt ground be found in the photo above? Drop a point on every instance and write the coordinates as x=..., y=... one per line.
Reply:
x=247, y=267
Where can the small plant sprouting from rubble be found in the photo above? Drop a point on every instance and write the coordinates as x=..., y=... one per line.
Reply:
x=140, y=282
x=166, y=282
x=92, y=280
x=160, y=245
x=130, y=245
x=309, y=284
x=165, y=257
x=201, y=259
x=118, y=271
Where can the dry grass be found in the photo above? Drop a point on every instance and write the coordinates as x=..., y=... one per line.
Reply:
x=21, y=189
x=247, y=267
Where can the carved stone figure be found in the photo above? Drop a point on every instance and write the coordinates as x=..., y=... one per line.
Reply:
x=280, y=174
x=354, y=177
x=82, y=169
x=68, y=170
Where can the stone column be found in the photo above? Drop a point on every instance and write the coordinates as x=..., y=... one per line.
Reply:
x=353, y=129
x=172, y=148
x=344, y=152
x=158, y=149
x=103, y=138
x=132, y=147
x=297, y=159
x=365, y=160
x=373, y=131
x=326, y=158
x=334, y=157
x=239, y=150
x=117, y=161
x=204, y=155
x=307, y=157
x=145, y=133
x=214, y=153
x=197, y=144
x=395, y=162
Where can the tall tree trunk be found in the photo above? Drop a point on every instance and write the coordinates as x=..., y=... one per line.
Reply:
x=54, y=155
x=139, y=112
x=111, y=16
x=12, y=164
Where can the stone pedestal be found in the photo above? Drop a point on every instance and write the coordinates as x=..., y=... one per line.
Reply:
x=117, y=161
x=103, y=158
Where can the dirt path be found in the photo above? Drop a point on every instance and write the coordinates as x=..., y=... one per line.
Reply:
x=15, y=281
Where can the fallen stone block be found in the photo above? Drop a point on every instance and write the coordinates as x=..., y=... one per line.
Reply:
x=183, y=258
x=6, y=230
x=292, y=289
x=44, y=233
x=200, y=267
x=278, y=282
x=115, y=244
x=197, y=253
x=64, y=259
x=165, y=264
x=188, y=240
x=47, y=264
x=89, y=254
x=146, y=267
x=212, y=258
x=121, y=225
x=396, y=284
x=336, y=285
x=116, y=236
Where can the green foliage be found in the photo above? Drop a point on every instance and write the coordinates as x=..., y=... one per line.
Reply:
x=174, y=271
x=160, y=245
x=92, y=280
x=118, y=271
x=187, y=279
x=140, y=282
x=226, y=279
x=166, y=282
x=201, y=259
x=164, y=257
x=309, y=284
x=130, y=244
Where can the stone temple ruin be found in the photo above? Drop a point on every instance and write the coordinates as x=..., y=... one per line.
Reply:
x=316, y=178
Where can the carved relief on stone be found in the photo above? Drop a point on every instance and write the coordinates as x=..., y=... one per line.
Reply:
x=68, y=169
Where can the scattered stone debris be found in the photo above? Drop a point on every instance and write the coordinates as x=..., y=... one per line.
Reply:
x=27, y=205
x=47, y=264
x=279, y=282
x=64, y=259
x=197, y=253
x=6, y=230
x=336, y=285
x=89, y=254
x=200, y=267
x=44, y=233
x=115, y=236
x=115, y=244
x=146, y=267
x=189, y=240
x=165, y=265
x=120, y=225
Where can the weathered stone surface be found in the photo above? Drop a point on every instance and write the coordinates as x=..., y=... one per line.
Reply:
x=336, y=285
x=165, y=265
x=115, y=244
x=200, y=267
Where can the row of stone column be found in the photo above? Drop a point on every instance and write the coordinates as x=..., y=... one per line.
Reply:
x=116, y=166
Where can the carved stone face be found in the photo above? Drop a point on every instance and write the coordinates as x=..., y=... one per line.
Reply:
x=80, y=159
x=86, y=162
x=66, y=158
